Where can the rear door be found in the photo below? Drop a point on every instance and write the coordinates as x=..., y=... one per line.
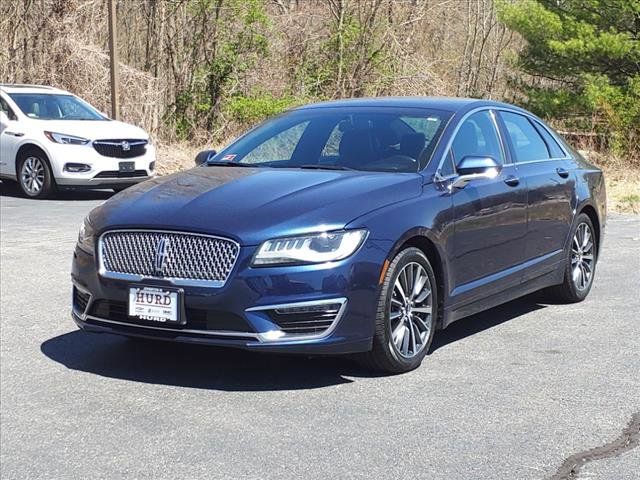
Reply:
x=548, y=174
x=490, y=219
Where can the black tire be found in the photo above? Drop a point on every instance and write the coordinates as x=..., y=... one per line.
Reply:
x=384, y=355
x=569, y=290
x=120, y=189
x=48, y=184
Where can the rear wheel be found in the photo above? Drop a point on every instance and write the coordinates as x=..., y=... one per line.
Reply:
x=580, y=265
x=34, y=175
x=405, y=320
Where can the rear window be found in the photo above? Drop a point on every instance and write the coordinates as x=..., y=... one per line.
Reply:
x=554, y=148
x=526, y=142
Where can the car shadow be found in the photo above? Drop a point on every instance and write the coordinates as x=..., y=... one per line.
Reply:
x=226, y=369
x=493, y=317
x=11, y=189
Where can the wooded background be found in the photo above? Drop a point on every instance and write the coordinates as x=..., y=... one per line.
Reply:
x=203, y=70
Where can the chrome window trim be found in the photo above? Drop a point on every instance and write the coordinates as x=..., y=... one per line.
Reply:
x=102, y=271
x=288, y=337
x=498, y=108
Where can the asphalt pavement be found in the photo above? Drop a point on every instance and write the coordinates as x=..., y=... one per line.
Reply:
x=527, y=390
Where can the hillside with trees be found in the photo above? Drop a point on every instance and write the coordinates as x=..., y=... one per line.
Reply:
x=196, y=72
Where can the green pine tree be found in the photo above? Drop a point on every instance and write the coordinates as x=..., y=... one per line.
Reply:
x=589, y=53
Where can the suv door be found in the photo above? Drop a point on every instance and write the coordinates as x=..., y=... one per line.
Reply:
x=490, y=215
x=9, y=138
x=547, y=171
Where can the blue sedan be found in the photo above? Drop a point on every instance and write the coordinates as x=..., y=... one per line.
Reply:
x=349, y=227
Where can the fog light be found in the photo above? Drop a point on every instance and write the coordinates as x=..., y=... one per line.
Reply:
x=152, y=166
x=77, y=167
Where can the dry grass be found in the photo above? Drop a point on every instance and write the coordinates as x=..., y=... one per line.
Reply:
x=623, y=190
x=623, y=182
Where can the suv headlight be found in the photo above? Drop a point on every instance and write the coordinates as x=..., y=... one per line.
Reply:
x=86, y=236
x=66, y=139
x=314, y=248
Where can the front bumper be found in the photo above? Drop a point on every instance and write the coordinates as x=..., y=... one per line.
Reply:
x=241, y=313
x=104, y=171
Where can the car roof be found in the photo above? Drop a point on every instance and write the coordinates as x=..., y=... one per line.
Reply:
x=452, y=104
x=26, y=88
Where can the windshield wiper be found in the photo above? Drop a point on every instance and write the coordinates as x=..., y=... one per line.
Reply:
x=325, y=167
x=228, y=164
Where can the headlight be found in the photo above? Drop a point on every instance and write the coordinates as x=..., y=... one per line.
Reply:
x=86, y=236
x=66, y=139
x=315, y=248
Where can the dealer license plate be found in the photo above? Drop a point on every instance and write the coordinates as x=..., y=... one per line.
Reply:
x=154, y=304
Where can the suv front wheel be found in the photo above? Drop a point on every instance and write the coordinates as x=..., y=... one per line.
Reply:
x=34, y=174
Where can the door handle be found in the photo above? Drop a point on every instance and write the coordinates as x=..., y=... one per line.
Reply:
x=512, y=181
x=15, y=134
x=562, y=172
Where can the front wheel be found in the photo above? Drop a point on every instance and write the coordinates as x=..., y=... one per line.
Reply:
x=406, y=314
x=34, y=175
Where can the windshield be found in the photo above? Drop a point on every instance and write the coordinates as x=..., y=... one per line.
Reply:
x=46, y=106
x=384, y=139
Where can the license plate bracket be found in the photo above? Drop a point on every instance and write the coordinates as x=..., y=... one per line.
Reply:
x=156, y=304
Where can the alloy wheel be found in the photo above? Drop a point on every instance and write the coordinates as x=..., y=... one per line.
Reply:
x=410, y=310
x=32, y=175
x=582, y=253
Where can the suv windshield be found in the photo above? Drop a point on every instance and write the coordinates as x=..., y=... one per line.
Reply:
x=384, y=139
x=47, y=106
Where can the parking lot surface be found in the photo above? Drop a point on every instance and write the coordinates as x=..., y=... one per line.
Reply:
x=511, y=393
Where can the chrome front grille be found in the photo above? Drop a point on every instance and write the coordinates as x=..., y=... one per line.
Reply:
x=181, y=257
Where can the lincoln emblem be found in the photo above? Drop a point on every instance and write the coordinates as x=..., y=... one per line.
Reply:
x=125, y=146
x=162, y=255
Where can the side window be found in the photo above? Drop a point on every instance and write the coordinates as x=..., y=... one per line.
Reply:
x=280, y=147
x=477, y=136
x=527, y=143
x=554, y=148
x=4, y=107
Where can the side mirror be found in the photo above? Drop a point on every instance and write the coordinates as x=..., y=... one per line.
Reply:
x=473, y=167
x=204, y=156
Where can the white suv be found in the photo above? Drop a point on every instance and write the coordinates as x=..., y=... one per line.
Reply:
x=52, y=139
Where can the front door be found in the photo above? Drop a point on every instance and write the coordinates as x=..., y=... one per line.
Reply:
x=9, y=138
x=490, y=217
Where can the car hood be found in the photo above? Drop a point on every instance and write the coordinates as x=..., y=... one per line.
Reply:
x=251, y=205
x=94, y=129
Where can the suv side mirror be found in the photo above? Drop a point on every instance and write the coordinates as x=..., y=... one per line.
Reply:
x=474, y=167
x=204, y=156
